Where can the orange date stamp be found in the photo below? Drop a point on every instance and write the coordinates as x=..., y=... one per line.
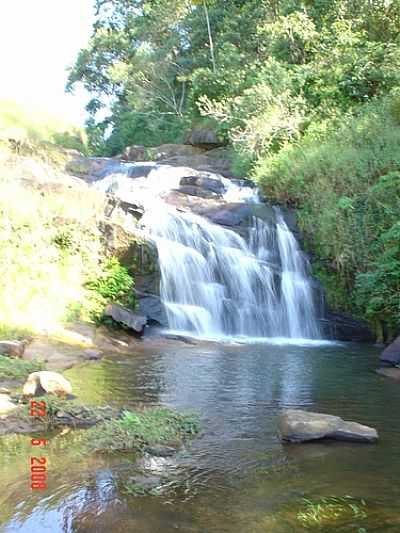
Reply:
x=38, y=465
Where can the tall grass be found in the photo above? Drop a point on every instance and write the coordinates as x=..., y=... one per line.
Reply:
x=24, y=125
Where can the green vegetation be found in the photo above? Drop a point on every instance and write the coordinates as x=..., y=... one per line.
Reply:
x=27, y=129
x=306, y=92
x=137, y=430
x=112, y=284
x=330, y=512
x=17, y=368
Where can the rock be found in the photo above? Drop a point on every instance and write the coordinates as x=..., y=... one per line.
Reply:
x=301, y=426
x=389, y=372
x=136, y=152
x=159, y=450
x=92, y=355
x=152, y=307
x=88, y=167
x=389, y=356
x=126, y=317
x=229, y=214
x=203, y=136
x=206, y=181
x=12, y=348
x=167, y=151
x=46, y=382
x=198, y=191
x=341, y=327
x=6, y=405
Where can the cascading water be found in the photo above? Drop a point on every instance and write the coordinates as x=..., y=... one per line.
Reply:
x=214, y=282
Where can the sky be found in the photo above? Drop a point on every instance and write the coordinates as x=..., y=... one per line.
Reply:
x=39, y=39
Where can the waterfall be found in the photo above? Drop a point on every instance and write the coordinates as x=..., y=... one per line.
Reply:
x=216, y=282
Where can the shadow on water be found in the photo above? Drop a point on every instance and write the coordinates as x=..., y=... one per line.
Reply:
x=236, y=476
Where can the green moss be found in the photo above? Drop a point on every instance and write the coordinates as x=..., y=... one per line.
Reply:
x=136, y=430
x=17, y=368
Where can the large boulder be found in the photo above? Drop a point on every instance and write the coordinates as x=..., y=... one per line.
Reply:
x=390, y=355
x=301, y=426
x=12, y=348
x=204, y=137
x=151, y=307
x=126, y=317
x=134, y=153
x=205, y=180
x=228, y=214
x=90, y=168
x=167, y=151
x=342, y=327
x=192, y=190
x=46, y=382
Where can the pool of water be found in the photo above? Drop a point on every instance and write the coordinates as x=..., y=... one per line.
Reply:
x=236, y=476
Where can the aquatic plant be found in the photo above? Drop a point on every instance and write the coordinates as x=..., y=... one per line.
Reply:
x=328, y=512
x=134, y=431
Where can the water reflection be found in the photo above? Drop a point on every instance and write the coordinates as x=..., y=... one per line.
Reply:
x=236, y=476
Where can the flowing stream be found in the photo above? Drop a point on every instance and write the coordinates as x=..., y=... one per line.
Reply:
x=216, y=283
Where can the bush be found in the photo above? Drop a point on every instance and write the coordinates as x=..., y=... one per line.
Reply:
x=112, y=284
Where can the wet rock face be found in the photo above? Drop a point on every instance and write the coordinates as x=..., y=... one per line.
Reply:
x=151, y=307
x=391, y=355
x=301, y=426
x=343, y=327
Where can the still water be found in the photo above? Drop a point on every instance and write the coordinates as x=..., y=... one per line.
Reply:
x=236, y=476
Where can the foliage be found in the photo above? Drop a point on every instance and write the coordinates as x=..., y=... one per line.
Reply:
x=25, y=128
x=112, y=283
x=17, y=368
x=49, y=242
x=345, y=179
x=136, y=430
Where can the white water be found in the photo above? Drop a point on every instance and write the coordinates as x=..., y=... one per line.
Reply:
x=214, y=283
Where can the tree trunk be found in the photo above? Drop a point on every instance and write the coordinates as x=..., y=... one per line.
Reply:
x=210, y=37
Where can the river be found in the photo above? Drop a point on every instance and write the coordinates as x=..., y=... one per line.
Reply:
x=236, y=476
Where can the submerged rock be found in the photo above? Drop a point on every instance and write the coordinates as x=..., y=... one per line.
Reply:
x=47, y=382
x=389, y=372
x=391, y=354
x=12, y=348
x=126, y=317
x=302, y=426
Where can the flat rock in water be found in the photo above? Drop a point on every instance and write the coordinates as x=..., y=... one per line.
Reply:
x=128, y=318
x=302, y=426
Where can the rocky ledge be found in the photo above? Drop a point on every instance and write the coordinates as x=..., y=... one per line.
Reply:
x=301, y=426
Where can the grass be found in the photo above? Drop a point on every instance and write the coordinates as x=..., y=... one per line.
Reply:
x=17, y=368
x=134, y=431
x=26, y=126
x=49, y=245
